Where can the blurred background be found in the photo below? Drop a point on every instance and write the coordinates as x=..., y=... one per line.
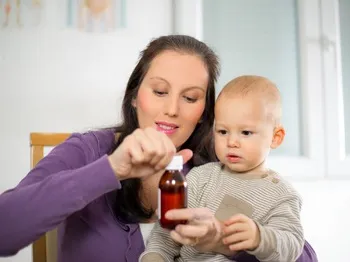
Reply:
x=61, y=71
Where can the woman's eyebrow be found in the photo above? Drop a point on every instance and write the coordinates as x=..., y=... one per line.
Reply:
x=159, y=78
x=186, y=89
x=194, y=87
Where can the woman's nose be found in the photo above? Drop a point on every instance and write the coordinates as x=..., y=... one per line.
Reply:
x=172, y=107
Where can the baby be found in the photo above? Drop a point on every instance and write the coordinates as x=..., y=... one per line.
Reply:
x=260, y=210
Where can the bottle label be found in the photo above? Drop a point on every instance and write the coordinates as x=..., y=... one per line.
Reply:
x=159, y=205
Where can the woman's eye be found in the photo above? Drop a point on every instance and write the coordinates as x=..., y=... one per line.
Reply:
x=159, y=93
x=190, y=99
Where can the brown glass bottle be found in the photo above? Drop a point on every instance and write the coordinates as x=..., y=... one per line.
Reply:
x=172, y=192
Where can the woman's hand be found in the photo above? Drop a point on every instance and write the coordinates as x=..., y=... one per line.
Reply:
x=143, y=153
x=203, y=231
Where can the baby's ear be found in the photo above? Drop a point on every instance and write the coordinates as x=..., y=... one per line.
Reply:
x=278, y=137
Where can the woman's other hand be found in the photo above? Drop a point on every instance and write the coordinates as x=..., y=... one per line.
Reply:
x=143, y=153
x=203, y=231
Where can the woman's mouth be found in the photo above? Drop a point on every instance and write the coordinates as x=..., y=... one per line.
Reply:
x=166, y=128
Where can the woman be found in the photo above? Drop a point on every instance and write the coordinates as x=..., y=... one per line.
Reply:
x=99, y=187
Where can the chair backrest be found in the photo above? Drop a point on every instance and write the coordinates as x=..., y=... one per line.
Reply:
x=45, y=248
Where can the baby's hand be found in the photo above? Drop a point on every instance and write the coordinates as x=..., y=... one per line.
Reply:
x=241, y=233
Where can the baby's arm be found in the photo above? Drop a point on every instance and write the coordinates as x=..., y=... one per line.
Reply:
x=282, y=237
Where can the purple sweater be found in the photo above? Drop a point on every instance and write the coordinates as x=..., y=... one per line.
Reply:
x=73, y=188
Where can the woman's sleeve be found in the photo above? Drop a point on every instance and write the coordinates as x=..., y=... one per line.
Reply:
x=308, y=255
x=63, y=182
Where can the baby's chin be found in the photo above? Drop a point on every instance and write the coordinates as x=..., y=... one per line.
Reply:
x=245, y=169
x=235, y=168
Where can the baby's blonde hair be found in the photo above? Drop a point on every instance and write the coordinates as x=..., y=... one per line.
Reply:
x=262, y=87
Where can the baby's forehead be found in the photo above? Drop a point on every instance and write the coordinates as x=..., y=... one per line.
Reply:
x=253, y=88
x=250, y=85
x=246, y=110
x=232, y=101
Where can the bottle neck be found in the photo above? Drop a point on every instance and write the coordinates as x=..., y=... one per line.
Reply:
x=173, y=170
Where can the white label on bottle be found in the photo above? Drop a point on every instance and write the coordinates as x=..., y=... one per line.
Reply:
x=159, y=205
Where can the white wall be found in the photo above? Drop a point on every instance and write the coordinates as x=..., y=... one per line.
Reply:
x=325, y=217
x=58, y=80
x=64, y=81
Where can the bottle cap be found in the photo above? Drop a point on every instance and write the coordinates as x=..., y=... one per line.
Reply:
x=176, y=163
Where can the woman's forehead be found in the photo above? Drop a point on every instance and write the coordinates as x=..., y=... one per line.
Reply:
x=179, y=69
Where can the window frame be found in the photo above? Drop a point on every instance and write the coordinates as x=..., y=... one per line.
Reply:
x=338, y=162
x=315, y=163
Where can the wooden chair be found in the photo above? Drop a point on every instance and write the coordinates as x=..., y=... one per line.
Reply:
x=45, y=248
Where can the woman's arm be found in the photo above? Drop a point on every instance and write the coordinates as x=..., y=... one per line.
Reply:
x=308, y=254
x=62, y=183
x=74, y=174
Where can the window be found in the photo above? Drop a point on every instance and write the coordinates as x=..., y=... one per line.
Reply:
x=336, y=64
x=297, y=44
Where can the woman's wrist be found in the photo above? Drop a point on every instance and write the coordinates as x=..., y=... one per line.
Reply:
x=115, y=169
x=224, y=250
x=220, y=247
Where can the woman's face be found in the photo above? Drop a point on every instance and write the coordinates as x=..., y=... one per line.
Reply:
x=172, y=96
x=171, y=99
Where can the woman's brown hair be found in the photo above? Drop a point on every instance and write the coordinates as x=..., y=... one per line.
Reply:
x=129, y=206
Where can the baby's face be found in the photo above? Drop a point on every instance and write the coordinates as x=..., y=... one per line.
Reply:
x=97, y=6
x=243, y=133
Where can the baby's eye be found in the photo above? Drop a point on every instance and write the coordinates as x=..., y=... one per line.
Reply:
x=247, y=133
x=222, y=132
